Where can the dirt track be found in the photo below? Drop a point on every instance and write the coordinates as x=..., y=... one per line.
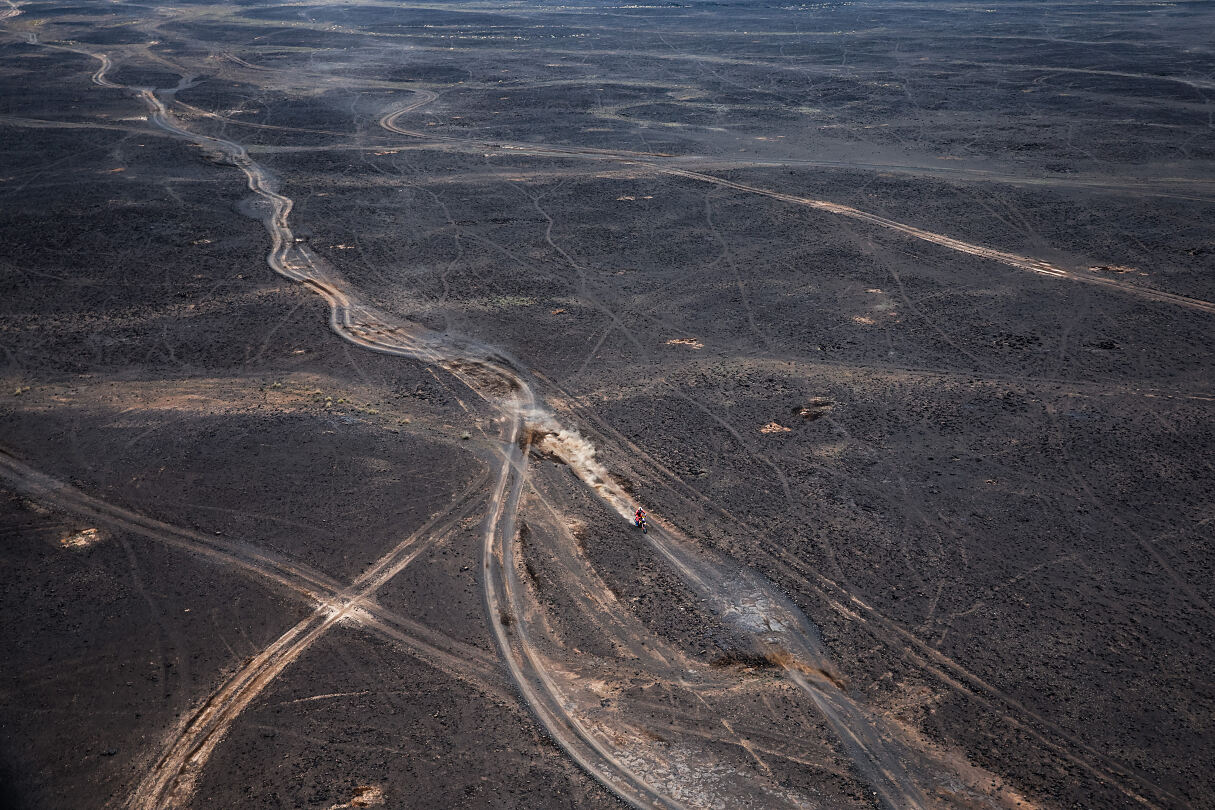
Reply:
x=727, y=658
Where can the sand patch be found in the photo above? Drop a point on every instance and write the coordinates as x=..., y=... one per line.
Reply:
x=364, y=796
x=81, y=539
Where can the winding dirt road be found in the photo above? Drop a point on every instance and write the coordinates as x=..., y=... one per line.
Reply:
x=610, y=744
x=741, y=599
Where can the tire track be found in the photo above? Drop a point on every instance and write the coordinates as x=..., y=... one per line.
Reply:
x=503, y=602
x=486, y=372
x=739, y=598
x=171, y=780
x=661, y=163
x=931, y=660
x=1010, y=259
x=297, y=579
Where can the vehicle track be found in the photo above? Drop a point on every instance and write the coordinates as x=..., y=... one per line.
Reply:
x=445, y=654
x=497, y=380
x=738, y=598
x=486, y=372
x=297, y=578
x=666, y=164
x=170, y=782
x=932, y=661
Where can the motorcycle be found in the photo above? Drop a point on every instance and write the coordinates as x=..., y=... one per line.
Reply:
x=642, y=524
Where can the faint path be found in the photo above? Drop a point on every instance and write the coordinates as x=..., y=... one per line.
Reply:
x=663, y=164
x=1067, y=746
x=170, y=782
x=445, y=654
x=1011, y=259
x=739, y=598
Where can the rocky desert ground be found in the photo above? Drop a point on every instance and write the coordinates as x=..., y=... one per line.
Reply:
x=341, y=340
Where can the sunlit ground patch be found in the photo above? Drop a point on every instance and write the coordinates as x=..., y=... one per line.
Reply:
x=364, y=796
x=81, y=539
x=691, y=343
x=1114, y=268
x=814, y=409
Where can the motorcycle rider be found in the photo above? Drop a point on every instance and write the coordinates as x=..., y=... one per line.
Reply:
x=639, y=516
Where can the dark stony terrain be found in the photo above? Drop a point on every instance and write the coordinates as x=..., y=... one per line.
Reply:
x=340, y=339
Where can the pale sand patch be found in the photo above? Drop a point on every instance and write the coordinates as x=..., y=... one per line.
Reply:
x=773, y=427
x=364, y=796
x=81, y=539
x=689, y=342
